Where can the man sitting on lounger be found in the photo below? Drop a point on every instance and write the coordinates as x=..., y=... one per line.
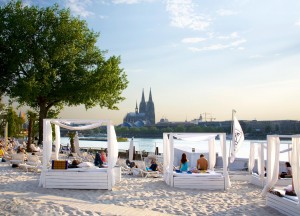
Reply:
x=202, y=163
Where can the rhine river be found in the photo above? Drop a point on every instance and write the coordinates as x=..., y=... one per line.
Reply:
x=149, y=144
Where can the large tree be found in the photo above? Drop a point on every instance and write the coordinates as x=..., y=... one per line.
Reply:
x=49, y=59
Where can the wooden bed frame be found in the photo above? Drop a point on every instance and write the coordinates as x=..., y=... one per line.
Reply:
x=285, y=205
x=79, y=178
x=254, y=179
x=199, y=181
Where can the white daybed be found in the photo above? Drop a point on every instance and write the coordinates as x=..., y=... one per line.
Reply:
x=287, y=205
x=205, y=181
x=257, y=150
x=81, y=178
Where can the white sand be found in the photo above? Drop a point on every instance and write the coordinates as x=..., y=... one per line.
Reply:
x=20, y=195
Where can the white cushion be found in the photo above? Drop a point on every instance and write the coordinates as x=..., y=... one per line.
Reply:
x=86, y=164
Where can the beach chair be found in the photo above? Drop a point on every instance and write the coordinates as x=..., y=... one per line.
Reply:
x=17, y=159
x=146, y=173
x=33, y=163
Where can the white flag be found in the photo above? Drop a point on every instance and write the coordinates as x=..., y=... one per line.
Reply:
x=237, y=138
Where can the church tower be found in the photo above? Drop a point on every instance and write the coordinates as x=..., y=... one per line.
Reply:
x=150, y=109
x=143, y=106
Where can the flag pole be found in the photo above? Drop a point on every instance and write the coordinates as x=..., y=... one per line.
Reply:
x=232, y=137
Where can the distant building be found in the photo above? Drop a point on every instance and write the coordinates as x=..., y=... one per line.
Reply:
x=143, y=115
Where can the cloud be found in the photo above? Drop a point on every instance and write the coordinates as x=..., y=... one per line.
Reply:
x=214, y=47
x=297, y=23
x=224, y=12
x=183, y=15
x=78, y=7
x=233, y=35
x=193, y=40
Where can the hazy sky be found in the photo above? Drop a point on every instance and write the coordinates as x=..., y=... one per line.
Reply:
x=199, y=56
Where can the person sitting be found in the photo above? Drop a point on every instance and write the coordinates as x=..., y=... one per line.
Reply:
x=202, y=163
x=103, y=157
x=2, y=154
x=98, y=162
x=288, y=173
x=184, y=165
x=153, y=166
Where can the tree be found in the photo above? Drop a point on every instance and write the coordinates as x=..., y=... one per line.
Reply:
x=31, y=116
x=49, y=59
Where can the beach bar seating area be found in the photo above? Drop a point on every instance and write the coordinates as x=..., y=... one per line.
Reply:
x=288, y=205
x=209, y=180
x=87, y=177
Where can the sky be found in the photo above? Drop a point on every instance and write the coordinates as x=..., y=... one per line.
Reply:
x=198, y=56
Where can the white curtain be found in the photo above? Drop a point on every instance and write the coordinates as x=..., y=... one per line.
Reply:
x=131, y=150
x=272, y=161
x=251, y=161
x=47, y=149
x=212, y=153
x=296, y=165
x=261, y=161
x=57, y=141
x=84, y=127
x=112, y=149
x=290, y=153
x=76, y=143
x=166, y=146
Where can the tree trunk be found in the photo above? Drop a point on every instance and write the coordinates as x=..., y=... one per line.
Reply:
x=29, y=134
x=42, y=116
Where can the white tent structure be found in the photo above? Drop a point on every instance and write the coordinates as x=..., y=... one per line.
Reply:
x=131, y=150
x=288, y=204
x=78, y=178
x=257, y=151
x=211, y=180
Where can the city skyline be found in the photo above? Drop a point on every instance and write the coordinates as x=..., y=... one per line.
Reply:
x=198, y=57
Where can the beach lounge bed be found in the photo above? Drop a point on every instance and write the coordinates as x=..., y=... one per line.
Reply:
x=84, y=178
x=286, y=204
x=205, y=181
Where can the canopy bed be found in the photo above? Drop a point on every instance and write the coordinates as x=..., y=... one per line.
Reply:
x=257, y=151
x=78, y=178
x=288, y=205
x=210, y=180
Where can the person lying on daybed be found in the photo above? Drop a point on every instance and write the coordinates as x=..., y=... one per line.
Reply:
x=184, y=163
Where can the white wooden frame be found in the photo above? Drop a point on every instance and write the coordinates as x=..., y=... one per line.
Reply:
x=206, y=182
x=81, y=180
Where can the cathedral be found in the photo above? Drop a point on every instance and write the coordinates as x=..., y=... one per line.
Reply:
x=143, y=115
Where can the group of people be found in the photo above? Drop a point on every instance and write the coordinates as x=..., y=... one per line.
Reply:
x=202, y=164
x=100, y=159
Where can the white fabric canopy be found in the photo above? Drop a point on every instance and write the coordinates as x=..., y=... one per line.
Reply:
x=90, y=124
x=295, y=159
x=131, y=150
x=210, y=137
x=257, y=152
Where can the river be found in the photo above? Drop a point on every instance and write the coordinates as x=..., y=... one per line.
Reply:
x=149, y=144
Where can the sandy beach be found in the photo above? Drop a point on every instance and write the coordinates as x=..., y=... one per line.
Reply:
x=20, y=195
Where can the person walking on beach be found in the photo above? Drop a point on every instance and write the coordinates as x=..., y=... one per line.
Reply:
x=202, y=163
x=184, y=165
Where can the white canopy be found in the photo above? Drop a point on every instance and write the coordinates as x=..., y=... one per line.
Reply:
x=112, y=145
x=168, y=139
x=273, y=160
x=257, y=152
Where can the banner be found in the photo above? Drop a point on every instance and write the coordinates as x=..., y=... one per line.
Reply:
x=237, y=138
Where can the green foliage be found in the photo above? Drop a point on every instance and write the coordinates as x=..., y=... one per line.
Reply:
x=14, y=122
x=49, y=59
